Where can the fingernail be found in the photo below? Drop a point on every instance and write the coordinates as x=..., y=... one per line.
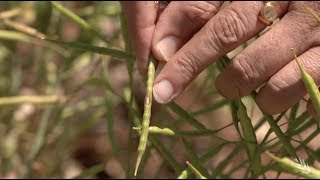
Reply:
x=168, y=47
x=162, y=91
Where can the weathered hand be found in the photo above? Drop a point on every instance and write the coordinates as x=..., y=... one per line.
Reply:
x=192, y=35
x=268, y=60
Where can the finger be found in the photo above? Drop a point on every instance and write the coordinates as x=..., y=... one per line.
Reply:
x=162, y=5
x=286, y=88
x=311, y=110
x=225, y=31
x=141, y=18
x=178, y=22
x=268, y=54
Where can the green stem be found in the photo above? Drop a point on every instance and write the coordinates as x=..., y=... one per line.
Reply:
x=196, y=171
x=146, y=114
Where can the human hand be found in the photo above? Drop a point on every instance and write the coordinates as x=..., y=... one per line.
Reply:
x=141, y=18
x=268, y=60
x=179, y=20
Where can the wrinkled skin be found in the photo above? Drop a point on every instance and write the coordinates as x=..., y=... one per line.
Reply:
x=196, y=34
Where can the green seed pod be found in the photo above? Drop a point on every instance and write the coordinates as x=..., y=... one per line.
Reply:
x=299, y=167
x=311, y=87
x=157, y=130
x=146, y=114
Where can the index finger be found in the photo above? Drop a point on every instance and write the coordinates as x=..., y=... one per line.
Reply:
x=141, y=18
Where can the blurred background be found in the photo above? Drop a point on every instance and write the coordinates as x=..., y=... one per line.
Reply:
x=70, y=117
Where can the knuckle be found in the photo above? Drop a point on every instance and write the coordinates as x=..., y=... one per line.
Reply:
x=244, y=73
x=279, y=88
x=302, y=15
x=200, y=12
x=305, y=22
x=306, y=32
x=230, y=28
x=187, y=66
x=277, y=85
